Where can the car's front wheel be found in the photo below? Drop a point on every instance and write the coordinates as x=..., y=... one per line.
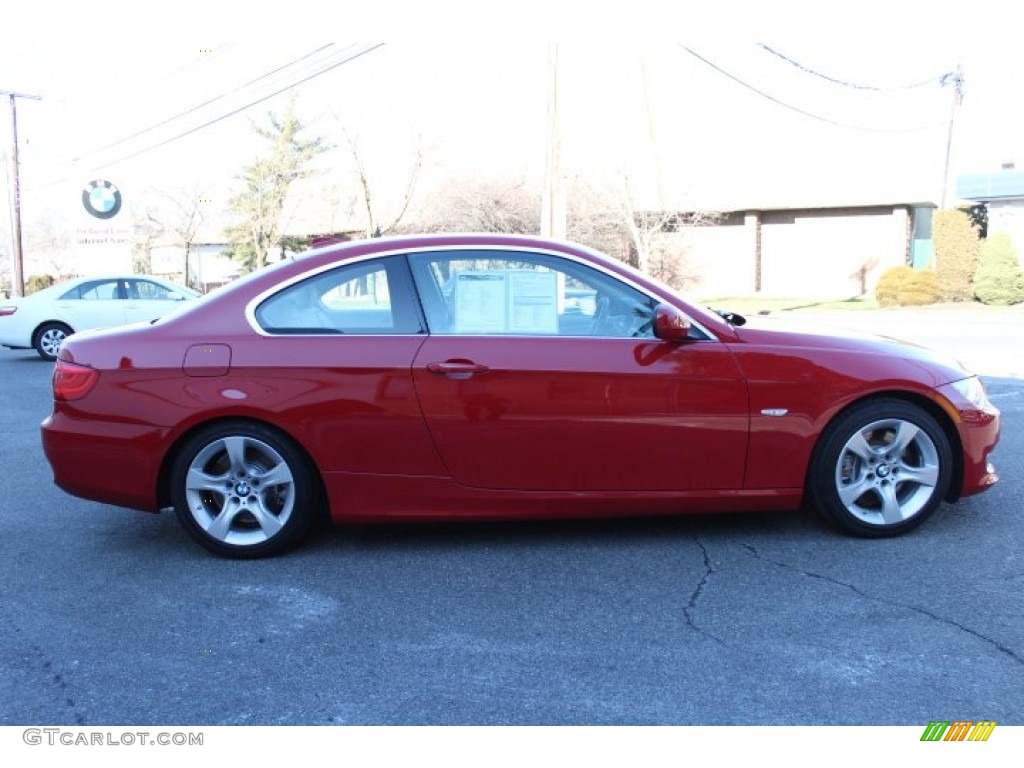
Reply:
x=881, y=469
x=48, y=339
x=242, y=489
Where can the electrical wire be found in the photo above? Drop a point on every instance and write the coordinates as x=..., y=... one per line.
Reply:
x=930, y=81
x=202, y=60
x=196, y=108
x=323, y=69
x=804, y=112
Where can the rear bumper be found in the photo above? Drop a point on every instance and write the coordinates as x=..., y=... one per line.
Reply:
x=110, y=462
x=14, y=338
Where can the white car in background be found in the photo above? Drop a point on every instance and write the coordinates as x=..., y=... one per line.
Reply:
x=43, y=320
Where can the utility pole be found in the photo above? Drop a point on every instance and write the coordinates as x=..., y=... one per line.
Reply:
x=956, y=79
x=553, y=206
x=18, y=276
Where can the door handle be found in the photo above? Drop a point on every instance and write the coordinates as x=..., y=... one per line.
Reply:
x=457, y=369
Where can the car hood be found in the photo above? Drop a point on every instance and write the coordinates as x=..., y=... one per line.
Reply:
x=787, y=333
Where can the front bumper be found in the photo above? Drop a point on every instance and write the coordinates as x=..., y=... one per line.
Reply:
x=977, y=423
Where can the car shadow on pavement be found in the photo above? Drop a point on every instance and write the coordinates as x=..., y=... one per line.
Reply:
x=562, y=532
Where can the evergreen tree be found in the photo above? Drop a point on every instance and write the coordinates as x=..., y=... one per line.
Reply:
x=257, y=208
x=956, y=253
x=999, y=279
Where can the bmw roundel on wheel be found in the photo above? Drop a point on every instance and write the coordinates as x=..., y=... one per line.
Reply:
x=465, y=377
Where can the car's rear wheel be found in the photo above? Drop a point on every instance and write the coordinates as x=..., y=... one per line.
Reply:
x=242, y=489
x=48, y=339
x=881, y=469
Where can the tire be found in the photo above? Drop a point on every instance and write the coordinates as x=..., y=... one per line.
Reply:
x=48, y=338
x=881, y=469
x=222, y=496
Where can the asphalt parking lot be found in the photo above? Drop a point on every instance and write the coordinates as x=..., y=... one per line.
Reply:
x=113, y=617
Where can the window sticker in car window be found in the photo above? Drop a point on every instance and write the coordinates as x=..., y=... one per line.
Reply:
x=533, y=302
x=506, y=301
x=480, y=302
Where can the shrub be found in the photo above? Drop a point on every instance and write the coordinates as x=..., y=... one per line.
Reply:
x=999, y=279
x=888, y=287
x=37, y=283
x=920, y=287
x=956, y=253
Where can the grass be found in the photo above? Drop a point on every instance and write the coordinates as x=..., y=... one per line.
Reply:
x=753, y=305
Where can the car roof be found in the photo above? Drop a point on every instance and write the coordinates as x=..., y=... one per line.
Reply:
x=72, y=282
x=380, y=245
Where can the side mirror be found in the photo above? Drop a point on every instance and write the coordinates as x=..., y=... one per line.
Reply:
x=670, y=324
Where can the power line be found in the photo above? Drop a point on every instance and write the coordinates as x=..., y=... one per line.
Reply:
x=206, y=103
x=147, y=88
x=930, y=81
x=804, y=112
x=203, y=59
x=322, y=70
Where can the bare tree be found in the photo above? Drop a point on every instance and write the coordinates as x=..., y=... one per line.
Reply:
x=493, y=205
x=342, y=203
x=596, y=220
x=182, y=218
x=644, y=228
x=376, y=224
x=49, y=249
x=146, y=229
x=658, y=238
x=604, y=220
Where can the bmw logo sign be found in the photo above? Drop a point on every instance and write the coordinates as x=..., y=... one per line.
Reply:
x=101, y=199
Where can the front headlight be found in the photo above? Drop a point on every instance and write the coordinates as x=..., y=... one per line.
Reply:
x=973, y=391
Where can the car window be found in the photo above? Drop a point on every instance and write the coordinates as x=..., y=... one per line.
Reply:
x=149, y=291
x=94, y=290
x=513, y=293
x=363, y=298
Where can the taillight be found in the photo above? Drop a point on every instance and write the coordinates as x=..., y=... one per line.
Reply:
x=72, y=381
x=8, y=310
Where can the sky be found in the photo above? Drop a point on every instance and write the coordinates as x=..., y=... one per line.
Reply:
x=818, y=112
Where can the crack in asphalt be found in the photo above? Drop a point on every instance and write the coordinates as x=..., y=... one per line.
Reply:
x=57, y=678
x=934, y=616
x=695, y=595
x=53, y=675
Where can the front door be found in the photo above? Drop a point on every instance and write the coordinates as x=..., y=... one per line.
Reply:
x=543, y=374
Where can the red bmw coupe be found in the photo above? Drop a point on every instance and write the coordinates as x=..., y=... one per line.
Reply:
x=477, y=376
